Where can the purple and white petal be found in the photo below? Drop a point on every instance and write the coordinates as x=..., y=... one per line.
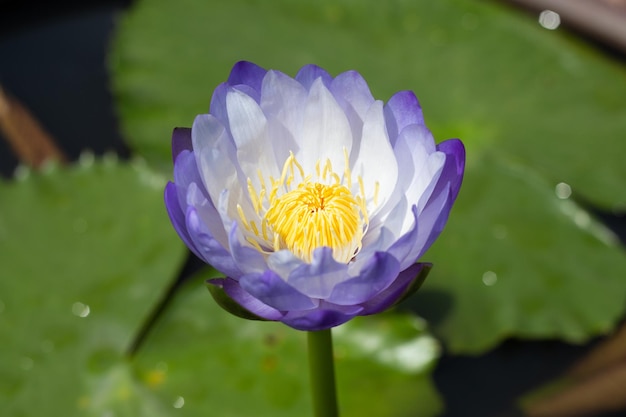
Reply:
x=181, y=141
x=310, y=73
x=207, y=247
x=375, y=162
x=247, y=73
x=402, y=109
x=247, y=301
x=393, y=293
x=354, y=96
x=319, y=278
x=377, y=275
x=315, y=320
x=273, y=291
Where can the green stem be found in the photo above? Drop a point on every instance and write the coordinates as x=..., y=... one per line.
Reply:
x=322, y=370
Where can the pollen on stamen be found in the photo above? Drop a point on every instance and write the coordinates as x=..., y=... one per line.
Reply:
x=328, y=167
x=242, y=217
x=276, y=243
x=264, y=229
x=361, y=187
x=361, y=203
x=274, y=191
x=254, y=243
x=347, y=172
x=285, y=171
x=256, y=203
x=376, y=190
x=254, y=228
x=263, y=189
x=297, y=164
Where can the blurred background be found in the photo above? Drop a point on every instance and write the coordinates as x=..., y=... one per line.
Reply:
x=102, y=311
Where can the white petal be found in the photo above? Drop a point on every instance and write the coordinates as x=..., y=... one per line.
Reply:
x=353, y=95
x=215, y=155
x=283, y=262
x=353, y=89
x=380, y=242
x=248, y=126
x=392, y=221
x=423, y=184
x=282, y=101
x=216, y=160
x=375, y=161
x=394, y=210
x=433, y=168
x=283, y=98
x=208, y=213
x=420, y=168
x=325, y=131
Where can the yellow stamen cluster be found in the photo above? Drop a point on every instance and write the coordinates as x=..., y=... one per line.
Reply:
x=301, y=214
x=316, y=215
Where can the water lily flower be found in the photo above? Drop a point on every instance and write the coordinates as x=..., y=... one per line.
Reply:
x=313, y=199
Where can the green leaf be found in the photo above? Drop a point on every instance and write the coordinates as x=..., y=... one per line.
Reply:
x=85, y=253
x=530, y=270
x=538, y=102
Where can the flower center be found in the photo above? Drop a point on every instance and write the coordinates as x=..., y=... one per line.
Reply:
x=300, y=214
x=315, y=215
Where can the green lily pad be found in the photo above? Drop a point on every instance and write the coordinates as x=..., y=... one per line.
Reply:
x=545, y=107
x=529, y=271
x=85, y=252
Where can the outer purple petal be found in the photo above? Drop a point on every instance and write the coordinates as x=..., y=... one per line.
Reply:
x=181, y=140
x=401, y=110
x=436, y=227
x=378, y=274
x=454, y=167
x=271, y=290
x=393, y=293
x=436, y=209
x=318, y=278
x=234, y=291
x=352, y=310
x=185, y=174
x=309, y=73
x=207, y=247
x=247, y=73
x=402, y=247
x=177, y=217
x=430, y=223
x=191, y=226
x=191, y=191
x=315, y=320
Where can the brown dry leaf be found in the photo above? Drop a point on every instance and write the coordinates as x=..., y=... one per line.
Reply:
x=608, y=354
x=594, y=385
x=602, y=393
x=28, y=139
